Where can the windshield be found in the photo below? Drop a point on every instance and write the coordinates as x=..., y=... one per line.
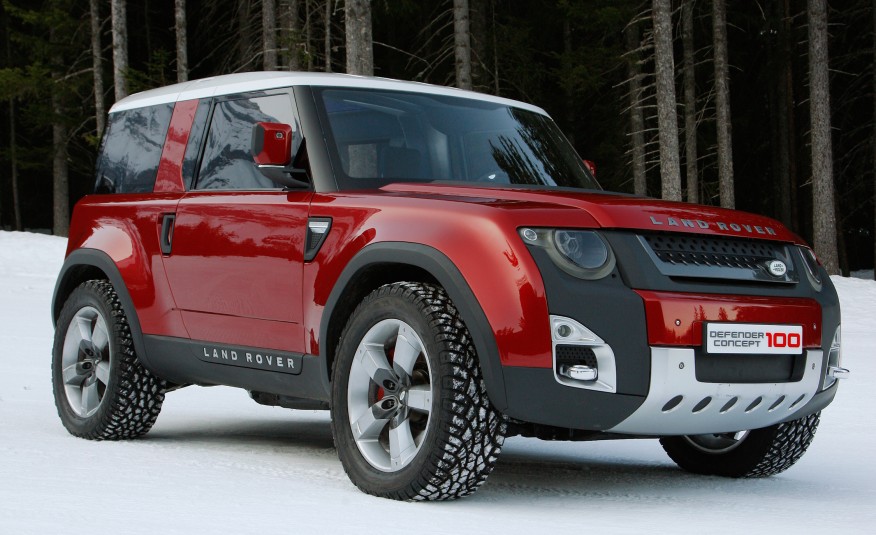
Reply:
x=377, y=137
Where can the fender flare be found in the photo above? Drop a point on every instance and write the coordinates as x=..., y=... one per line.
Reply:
x=450, y=278
x=69, y=278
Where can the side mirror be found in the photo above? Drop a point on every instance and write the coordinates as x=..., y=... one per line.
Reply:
x=272, y=154
x=591, y=166
x=272, y=144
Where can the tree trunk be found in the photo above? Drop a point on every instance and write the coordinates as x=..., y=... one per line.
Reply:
x=823, y=218
x=690, y=103
x=246, y=41
x=60, y=175
x=667, y=119
x=292, y=29
x=328, y=35
x=357, y=25
x=120, y=47
x=13, y=161
x=874, y=142
x=462, y=43
x=637, y=119
x=722, y=105
x=568, y=89
x=97, y=67
x=284, y=28
x=784, y=107
x=182, y=54
x=13, y=151
x=308, y=35
x=495, y=49
x=269, y=35
x=478, y=11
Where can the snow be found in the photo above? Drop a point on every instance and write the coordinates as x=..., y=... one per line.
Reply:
x=217, y=462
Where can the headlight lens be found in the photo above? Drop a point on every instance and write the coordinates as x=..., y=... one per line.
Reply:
x=582, y=253
x=584, y=249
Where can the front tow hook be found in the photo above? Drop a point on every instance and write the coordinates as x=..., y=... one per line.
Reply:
x=838, y=373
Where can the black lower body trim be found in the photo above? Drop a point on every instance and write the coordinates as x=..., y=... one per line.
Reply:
x=535, y=396
x=183, y=361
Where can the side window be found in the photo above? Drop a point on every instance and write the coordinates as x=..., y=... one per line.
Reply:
x=227, y=161
x=131, y=150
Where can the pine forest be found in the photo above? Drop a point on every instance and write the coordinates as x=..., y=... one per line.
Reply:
x=767, y=106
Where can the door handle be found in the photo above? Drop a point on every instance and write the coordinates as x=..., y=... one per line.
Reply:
x=166, y=237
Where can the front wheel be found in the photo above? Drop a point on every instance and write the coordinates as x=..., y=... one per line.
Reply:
x=410, y=414
x=757, y=453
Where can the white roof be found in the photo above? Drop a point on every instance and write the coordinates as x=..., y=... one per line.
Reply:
x=260, y=81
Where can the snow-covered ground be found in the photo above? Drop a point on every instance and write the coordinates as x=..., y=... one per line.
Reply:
x=218, y=463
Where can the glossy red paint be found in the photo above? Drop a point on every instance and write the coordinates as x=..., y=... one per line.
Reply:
x=169, y=178
x=126, y=227
x=629, y=212
x=272, y=144
x=480, y=238
x=239, y=255
x=676, y=319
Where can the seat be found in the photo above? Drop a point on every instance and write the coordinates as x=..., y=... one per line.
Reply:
x=401, y=162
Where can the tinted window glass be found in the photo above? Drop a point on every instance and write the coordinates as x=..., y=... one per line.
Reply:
x=384, y=136
x=128, y=161
x=196, y=139
x=227, y=161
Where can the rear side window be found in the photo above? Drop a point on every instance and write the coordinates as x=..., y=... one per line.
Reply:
x=227, y=161
x=131, y=150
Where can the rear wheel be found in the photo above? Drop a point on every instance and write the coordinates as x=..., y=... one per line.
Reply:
x=410, y=414
x=102, y=392
x=757, y=453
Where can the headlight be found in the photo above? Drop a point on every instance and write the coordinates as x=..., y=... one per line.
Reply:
x=581, y=253
x=811, y=262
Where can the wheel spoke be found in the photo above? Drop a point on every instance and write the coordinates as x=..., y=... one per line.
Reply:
x=401, y=444
x=420, y=398
x=376, y=365
x=99, y=337
x=406, y=352
x=90, y=398
x=84, y=325
x=103, y=372
x=371, y=423
x=71, y=375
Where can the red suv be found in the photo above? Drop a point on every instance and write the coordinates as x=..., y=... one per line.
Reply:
x=440, y=270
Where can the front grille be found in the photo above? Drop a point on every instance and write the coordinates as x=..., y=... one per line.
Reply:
x=710, y=251
x=691, y=256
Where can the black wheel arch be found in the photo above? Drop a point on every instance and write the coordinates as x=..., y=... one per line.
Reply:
x=386, y=262
x=87, y=264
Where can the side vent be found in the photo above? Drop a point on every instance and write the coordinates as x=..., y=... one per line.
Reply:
x=317, y=229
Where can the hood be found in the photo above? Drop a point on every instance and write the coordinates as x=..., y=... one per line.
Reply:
x=619, y=211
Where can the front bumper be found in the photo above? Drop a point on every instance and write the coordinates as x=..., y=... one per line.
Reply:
x=679, y=404
x=653, y=336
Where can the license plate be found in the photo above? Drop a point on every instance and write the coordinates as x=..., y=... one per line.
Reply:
x=753, y=339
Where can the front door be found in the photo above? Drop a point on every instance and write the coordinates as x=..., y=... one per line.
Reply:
x=236, y=256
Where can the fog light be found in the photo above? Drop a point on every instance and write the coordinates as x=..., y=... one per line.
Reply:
x=579, y=372
x=581, y=358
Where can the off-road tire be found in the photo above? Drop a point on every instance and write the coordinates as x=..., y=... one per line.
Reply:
x=132, y=397
x=464, y=432
x=762, y=453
